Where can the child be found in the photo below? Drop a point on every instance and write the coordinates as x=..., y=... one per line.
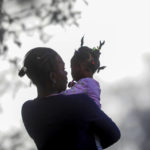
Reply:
x=84, y=63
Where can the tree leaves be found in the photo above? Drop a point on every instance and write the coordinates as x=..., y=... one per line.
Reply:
x=32, y=16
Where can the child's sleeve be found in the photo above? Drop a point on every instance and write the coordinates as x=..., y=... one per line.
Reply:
x=94, y=90
x=78, y=88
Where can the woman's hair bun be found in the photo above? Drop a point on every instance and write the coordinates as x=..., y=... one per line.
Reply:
x=22, y=72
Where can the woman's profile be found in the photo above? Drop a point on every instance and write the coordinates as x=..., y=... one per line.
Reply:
x=56, y=121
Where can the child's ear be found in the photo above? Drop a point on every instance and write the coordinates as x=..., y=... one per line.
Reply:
x=83, y=67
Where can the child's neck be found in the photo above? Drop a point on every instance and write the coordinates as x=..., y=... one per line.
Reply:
x=87, y=76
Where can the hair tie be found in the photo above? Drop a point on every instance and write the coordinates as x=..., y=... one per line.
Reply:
x=93, y=62
x=99, y=47
x=24, y=69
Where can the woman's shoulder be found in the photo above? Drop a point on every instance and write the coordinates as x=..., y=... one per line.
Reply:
x=78, y=98
x=27, y=104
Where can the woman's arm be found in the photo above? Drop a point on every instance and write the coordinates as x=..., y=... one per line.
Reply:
x=106, y=130
x=101, y=125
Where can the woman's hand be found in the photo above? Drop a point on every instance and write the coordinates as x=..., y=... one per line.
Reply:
x=71, y=84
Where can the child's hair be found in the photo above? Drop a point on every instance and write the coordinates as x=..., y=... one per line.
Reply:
x=88, y=56
x=38, y=63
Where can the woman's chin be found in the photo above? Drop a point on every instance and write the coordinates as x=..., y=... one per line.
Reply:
x=63, y=89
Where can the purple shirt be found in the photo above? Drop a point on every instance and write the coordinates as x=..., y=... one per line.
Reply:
x=87, y=86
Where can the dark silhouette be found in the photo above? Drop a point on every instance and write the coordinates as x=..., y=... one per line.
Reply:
x=57, y=121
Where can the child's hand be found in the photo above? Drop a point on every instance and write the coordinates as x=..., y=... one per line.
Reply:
x=71, y=84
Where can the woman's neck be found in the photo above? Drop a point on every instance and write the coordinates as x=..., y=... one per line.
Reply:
x=45, y=92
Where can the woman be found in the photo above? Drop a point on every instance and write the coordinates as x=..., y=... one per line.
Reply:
x=55, y=121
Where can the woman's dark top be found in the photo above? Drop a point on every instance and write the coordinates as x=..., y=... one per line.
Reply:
x=68, y=123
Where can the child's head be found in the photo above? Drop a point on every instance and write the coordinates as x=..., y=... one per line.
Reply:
x=85, y=62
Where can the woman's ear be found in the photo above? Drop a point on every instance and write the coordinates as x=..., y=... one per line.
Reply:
x=52, y=77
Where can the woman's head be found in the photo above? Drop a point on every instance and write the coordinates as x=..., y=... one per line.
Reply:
x=45, y=68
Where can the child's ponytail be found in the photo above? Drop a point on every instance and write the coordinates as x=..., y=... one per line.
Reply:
x=88, y=55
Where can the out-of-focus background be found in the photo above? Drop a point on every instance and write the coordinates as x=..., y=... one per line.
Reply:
x=60, y=24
